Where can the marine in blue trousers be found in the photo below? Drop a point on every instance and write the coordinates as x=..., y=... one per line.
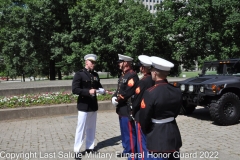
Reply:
x=143, y=84
x=160, y=106
x=122, y=100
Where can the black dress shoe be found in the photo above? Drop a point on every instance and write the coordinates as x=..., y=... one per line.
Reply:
x=122, y=155
x=93, y=151
x=78, y=156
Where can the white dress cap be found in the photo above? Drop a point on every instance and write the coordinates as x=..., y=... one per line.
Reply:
x=145, y=60
x=161, y=64
x=91, y=57
x=124, y=58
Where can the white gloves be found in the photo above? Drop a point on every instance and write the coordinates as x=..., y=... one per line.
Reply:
x=101, y=91
x=114, y=102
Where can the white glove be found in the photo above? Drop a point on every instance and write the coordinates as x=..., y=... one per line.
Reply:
x=114, y=102
x=101, y=91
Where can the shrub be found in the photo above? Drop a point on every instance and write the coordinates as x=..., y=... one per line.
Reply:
x=44, y=99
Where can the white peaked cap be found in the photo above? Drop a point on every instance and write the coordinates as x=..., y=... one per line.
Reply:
x=91, y=57
x=145, y=60
x=161, y=64
x=124, y=58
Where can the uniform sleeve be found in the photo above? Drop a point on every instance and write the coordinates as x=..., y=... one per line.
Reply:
x=76, y=86
x=140, y=88
x=129, y=89
x=180, y=105
x=146, y=112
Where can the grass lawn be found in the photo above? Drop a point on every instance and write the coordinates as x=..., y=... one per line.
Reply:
x=190, y=74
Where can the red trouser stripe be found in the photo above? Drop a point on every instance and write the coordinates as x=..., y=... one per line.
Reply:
x=140, y=140
x=131, y=138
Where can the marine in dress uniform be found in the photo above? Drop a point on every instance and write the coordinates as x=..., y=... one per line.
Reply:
x=143, y=84
x=160, y=106
x=122, y=100
x=85, y=84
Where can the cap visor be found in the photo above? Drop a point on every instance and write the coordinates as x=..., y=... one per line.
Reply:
x=119, y=61
x=138, y=64
x=91, y=60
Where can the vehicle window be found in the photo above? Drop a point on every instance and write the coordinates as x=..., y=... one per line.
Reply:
x=233, y=69
x=214, y=70
x=217, y=69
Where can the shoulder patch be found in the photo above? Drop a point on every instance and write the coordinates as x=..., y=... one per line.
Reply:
x=137, y=90
x=143, y=105
x=131, y=82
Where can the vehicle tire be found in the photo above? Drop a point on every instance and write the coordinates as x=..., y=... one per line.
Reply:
x=226, y=111
x=187, y=109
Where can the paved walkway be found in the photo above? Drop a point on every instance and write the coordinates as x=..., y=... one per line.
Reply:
x=53, y=138
x=47, y=83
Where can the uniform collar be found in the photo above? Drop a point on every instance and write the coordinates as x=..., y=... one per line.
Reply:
x=126, y=71
x=88, y=70
x=161, y=81
x=147, y=74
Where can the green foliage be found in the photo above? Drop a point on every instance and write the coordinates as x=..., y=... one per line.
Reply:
x=51, y=37
x=37, y=99
x=189, y=74
x=44, y=99
x=106, y=97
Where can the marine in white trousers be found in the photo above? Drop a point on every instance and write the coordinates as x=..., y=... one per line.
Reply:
x=86, y=125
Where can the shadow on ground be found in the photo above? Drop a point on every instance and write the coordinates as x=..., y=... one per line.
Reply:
x=201, y=113
x=108, y=142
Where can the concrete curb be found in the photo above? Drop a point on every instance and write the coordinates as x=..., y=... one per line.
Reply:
x=40, y=111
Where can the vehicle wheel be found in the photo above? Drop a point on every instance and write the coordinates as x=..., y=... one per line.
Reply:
x=226, y=111
x=187, y=109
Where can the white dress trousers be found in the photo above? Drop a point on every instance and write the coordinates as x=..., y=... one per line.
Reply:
x=86, y=125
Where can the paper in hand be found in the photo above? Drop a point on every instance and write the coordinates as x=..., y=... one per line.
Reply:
x=100, y=91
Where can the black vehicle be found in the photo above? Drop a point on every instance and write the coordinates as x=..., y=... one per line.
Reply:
x=216, y=88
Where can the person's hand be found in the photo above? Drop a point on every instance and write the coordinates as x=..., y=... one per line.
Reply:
x=114, y=102
x=92, y=92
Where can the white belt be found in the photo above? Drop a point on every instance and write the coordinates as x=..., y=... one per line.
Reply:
x=163, y=120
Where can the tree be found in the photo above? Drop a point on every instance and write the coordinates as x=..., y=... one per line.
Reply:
x=51, y=37
x=13, y=37
x=108, y=28
x=192, y=29
x=50, y=24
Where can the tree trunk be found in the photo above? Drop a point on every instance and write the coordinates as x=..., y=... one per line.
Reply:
x=23, y=77
x=59, y=74
x=52, y=70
